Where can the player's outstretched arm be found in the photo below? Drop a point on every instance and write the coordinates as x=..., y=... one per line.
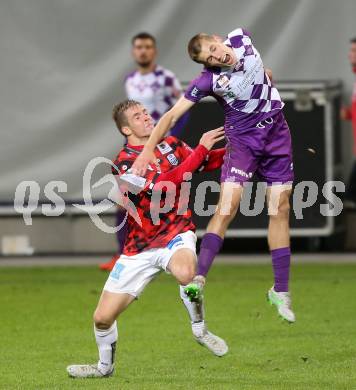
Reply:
x=195, y=159
x=215, y=160
x=164, y=124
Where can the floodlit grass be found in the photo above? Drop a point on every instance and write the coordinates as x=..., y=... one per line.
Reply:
x=46, y=324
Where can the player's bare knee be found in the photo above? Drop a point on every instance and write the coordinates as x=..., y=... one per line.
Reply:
x=284, y=207
x=186, y=275
x=225, y=216
x=101, y=320
x=185, y=271
x=282, y=210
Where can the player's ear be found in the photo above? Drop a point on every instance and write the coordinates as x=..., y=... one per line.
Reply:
x=126, y=130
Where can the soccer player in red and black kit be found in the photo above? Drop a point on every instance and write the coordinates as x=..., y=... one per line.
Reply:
x=160, y=231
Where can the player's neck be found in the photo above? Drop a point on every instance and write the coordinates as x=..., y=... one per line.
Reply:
x=147, y=69
x=137, y=142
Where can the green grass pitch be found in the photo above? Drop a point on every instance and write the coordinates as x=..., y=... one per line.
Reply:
x=46, y=324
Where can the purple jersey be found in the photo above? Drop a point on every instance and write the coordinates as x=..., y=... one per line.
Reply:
x=245, y=91
x=158, y=91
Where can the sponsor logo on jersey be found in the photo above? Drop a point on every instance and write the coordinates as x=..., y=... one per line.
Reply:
x=242, y=173
x=223, y=81
x=194, y=92
x=164, y=148
x=172, y=159
x=239, y=65
x=230, y=95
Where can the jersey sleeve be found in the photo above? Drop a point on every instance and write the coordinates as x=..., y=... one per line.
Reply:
x=213, y=160
x=189, y=165
x=200, y=87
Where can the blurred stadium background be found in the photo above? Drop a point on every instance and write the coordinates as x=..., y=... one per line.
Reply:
x=62, y=69
x=63, y=65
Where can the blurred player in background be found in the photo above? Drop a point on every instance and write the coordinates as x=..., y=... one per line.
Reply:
x=258, y=141
x=151, y=246
x=349, y=113
x=158, y=89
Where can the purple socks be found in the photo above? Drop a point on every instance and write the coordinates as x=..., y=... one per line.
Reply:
x=281, y=264
x=210, y=246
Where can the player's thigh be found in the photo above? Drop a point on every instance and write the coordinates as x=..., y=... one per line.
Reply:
x=278, y=198
x=182, y=265
x=179, y=257
x=110, y=306
x=131, y=274
x=230, y=198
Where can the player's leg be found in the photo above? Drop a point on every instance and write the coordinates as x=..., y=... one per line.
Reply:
x=229, y=201
x=276, y=168
x=279, y=244
x=110, y=306
x=212, y=241
x=240, y=162
x=125, y=283
x=182, y=265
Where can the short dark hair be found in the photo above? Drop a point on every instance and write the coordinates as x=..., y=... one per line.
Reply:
x=143, y=35
x=194, y=46
x=119, y=113
x=353, y=40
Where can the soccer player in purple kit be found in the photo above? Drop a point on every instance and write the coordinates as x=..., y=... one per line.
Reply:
x=258, y=141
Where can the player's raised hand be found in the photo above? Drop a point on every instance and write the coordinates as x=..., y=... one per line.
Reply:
x=210, y=138
x=269, y=73
x=141, y=163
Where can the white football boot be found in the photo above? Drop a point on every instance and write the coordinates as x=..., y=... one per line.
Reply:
x=209, y=340
x=282, y=301
x=87, y=371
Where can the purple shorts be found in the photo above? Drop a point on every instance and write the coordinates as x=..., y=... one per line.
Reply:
x=265, y=150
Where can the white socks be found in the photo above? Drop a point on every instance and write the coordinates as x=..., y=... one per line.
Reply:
x=195, y=311
x=106, y=342
x=198, y=328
